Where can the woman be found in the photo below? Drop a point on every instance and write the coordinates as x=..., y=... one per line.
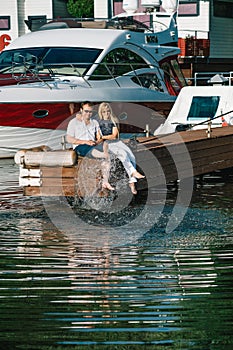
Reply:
x=110, y=132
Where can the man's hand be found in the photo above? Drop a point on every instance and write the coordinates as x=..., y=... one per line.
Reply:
x=91, y=143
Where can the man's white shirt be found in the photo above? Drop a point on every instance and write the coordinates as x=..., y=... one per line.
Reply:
x=82, y=131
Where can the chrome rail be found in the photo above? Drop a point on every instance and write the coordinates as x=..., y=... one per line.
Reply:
x=206, y=76
x=31, y=72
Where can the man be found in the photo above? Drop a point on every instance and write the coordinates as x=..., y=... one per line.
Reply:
x=85, y=136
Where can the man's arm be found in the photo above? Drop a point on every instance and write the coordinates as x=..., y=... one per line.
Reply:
x=99, y=136
x=74, y=141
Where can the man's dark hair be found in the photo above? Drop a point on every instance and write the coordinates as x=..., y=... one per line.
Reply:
x=86, y=103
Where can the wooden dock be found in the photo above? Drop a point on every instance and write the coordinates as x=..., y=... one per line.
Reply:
x=184, y=154
x=177, y=156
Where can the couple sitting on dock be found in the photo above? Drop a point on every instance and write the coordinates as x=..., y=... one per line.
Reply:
x=99, y=139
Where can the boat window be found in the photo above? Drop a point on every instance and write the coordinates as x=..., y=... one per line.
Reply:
x=64, y=60
x=178, y=73
x=57, y=60
x=148, y=80
x=203, y=107
x=173, y=76
x=15, y=61
x=116, y=63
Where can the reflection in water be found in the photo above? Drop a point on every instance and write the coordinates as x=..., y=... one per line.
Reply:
x=164, y=291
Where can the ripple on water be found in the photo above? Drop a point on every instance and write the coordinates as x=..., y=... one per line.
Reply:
x=167, y=290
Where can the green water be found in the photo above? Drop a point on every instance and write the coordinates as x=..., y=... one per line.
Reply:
x=161, y=290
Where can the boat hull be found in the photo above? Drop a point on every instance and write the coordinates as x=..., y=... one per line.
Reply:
x=14, y=138
x=27, y=125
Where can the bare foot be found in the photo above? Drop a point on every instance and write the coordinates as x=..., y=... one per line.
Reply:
x=132, y=187
x=107, y=186
x=137, y=175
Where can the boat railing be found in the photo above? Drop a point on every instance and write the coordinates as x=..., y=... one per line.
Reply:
x=207, y=78
x=30, y=72
x=145, y=75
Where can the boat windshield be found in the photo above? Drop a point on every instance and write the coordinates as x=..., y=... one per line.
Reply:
x=118, y=62
x=173, y=76
x=203, y=107
x=55, y=60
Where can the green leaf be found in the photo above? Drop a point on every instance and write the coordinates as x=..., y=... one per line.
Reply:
x=81, y=8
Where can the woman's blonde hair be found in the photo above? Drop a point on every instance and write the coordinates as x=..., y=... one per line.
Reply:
x=113, y=118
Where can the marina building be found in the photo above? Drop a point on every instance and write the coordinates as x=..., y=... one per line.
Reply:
x=17, y=17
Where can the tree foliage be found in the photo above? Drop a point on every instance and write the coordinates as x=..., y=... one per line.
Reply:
x=81, y=8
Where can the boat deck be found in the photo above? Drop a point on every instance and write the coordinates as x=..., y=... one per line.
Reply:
x=163, y=159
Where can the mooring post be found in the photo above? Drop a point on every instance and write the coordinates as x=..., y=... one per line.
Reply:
x=209, y=129
x=147, y=130
x=63, y=142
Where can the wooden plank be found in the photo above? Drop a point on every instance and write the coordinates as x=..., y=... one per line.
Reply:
x=55, y=172
x=49, y=191
x=202, y=144
x=57, y=191
x=185, y=136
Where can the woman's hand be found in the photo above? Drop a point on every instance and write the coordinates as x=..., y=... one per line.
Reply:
x=100, y=140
